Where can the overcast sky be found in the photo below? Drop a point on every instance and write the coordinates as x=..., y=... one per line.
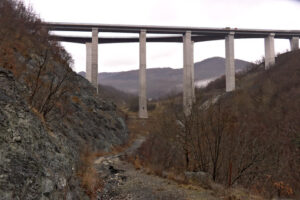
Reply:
x=266, y=14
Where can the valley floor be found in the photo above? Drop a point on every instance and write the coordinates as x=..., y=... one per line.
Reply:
x=122, y=181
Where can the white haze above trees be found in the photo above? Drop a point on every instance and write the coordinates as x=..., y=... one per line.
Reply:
x=268, y=14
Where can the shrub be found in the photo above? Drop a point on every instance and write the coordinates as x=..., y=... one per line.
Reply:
x=42, y=65
x=241, y=138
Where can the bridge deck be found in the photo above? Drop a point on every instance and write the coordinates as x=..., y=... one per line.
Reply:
x=199, y=34
x=177, y=39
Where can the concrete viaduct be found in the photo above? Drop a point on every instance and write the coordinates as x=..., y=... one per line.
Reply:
x=186, y=35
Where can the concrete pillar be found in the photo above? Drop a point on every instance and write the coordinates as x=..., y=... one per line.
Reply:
x=142, y=77
x=294, y=41
x=193, y=73
x=94, y=58
x=229, y=63
x=269, y=51
x=187, y=73
x=88, y=74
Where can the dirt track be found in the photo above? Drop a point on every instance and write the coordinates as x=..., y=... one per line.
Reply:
x=123, y=181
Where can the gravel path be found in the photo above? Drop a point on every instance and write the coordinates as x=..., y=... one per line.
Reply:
x=123, y=182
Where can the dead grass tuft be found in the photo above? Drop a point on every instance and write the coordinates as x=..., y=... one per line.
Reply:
x=137, y=163
x=89, y=178
x=76, y=100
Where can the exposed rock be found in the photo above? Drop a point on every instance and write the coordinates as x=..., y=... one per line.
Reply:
x=28, y=154
x=17, y=139
x=39, y=162
x=47, y=186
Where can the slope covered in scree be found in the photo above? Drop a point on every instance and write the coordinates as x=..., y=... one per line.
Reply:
x=49, y=115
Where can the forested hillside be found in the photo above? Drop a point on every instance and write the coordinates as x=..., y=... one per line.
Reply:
x=248, y=137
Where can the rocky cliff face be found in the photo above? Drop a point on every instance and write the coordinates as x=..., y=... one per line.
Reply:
x=38, y=160
x=49, y=115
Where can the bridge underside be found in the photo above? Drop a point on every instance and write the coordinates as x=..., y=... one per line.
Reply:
x=171, y=39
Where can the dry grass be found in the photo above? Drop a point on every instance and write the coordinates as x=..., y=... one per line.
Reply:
x=76, y=100
x=42, y=118
x=89, y=178
x=178, y=178
x=38, y=114
x=137, y=163
x=240, y=194
x=138, y=127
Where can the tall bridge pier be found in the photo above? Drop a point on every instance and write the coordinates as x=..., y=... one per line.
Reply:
x=143, y=113
x=193, y=74
x=229, y=62
x=88, y=71
x=188, y=70
x=92, y=59
x=269, y=51
x=294, y=41
x=185, y=35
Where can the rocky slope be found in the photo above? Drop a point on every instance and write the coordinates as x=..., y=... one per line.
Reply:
x=33, y=163
x=39, y=160
x=50, y=117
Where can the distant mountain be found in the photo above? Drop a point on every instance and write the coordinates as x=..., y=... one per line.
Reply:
x=162, y=81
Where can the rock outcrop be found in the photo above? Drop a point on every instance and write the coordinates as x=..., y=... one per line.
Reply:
x=50, y=117
x=38, y=160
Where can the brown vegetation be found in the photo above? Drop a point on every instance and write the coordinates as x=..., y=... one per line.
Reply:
x=133, y=105
x=44, y=69
x=249, y=137
x=29, y=44
x=89, y=178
